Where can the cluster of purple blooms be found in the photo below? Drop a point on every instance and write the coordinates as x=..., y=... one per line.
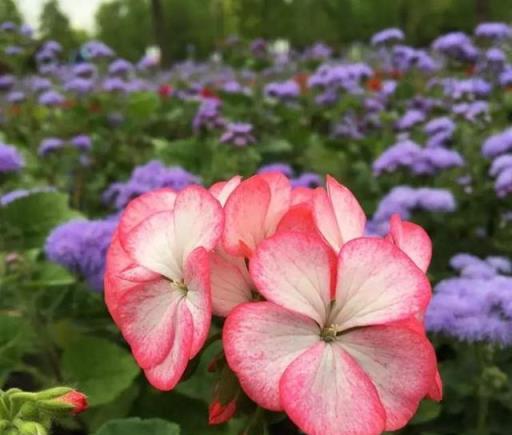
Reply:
x=10, y=159
x=150, y=176
x=238, y=134
x=81, y=246
x=475, y=306
x=420, y=161
x=404, y=200
x=498, y=147
x=305, y=179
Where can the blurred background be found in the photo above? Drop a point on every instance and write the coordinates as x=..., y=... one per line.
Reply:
x=194, y=28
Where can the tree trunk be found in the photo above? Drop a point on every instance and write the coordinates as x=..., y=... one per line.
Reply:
x=160, y=34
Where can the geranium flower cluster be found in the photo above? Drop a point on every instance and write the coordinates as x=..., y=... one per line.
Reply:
x=321, y=322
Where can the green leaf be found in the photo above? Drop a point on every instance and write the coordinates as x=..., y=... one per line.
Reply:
x=136, y=426
x=142, y=105
x=427, y=411
x=14, y=341
x=26, y=222
x=99, y=368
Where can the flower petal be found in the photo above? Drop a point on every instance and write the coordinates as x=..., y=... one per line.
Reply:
x=260, y=340
x=401, y=364
x=298, y=218
x=198, y=221
x=198, y=297
x=280, y=195
x=152, y=245
x=167, y=374
x=245, y=213
x=325, y=392
x=377, y=283
x=412, y=239
x=223, y=189
x=296, y=271
x=144, y=206
x=146, y=320
x=231, y=285
x=338, y=215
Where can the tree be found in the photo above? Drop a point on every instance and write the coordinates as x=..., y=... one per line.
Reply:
x=125, y=25
x=9, y=12
x=54, y=24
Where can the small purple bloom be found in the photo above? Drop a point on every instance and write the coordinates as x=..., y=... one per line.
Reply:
x=50, y=145
x=410, y=119
x=238, y=134
x=51, y=98
x=307, y=179
x=84, y=70
x=16, y=97
x=6, y=82
x=10, y=159
x=96, y=50
x=494, y=31
x=497, y=144
x=283, y=168
x=120, y=67
x=79, y=85
x=284, y=91
x=82, y=142
x=387, y=36
x=152, y=175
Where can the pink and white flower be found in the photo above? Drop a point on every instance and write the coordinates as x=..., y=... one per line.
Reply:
x=157, y=280
x=336, y=343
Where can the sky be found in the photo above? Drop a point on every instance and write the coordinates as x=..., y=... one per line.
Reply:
x=80, y=12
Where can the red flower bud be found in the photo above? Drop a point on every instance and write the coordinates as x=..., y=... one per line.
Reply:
x=165, y=90
x=76, y=399
x=218, y=413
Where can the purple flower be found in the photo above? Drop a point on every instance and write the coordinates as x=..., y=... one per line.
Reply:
x=6, y=82
x=410, y=119
x=495, y=57
x=8, y=26
x=82, y=142
x=79, y=85
x=387, y=35
x=39, y=84
x=474, y=87
x=503, y=183
x=472, y=111
x=307, y=179
x=51, y=98
x=10, y=159
x=497, y=144
x=84, y=70
x=475, y=306
x=120, y=67
x=495, y=31
x=208, y=115
x=404, y=200
x=283, y=168
x=13, y=50
x=284, y=91
x=81, y=246
x=505, y=78
x=238, y=134
x=50, y=145
x=402, y=154
x=439, y=125
x=456, y=45
x=96, y=50
x=115, y=84
x=51, y=47
x=258, y=47
x=501, y=163
x=152, y=175
x=318, y=52
x=15, y=97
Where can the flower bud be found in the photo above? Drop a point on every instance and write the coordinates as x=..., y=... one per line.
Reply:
x=219, y=413
x=73, y=401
